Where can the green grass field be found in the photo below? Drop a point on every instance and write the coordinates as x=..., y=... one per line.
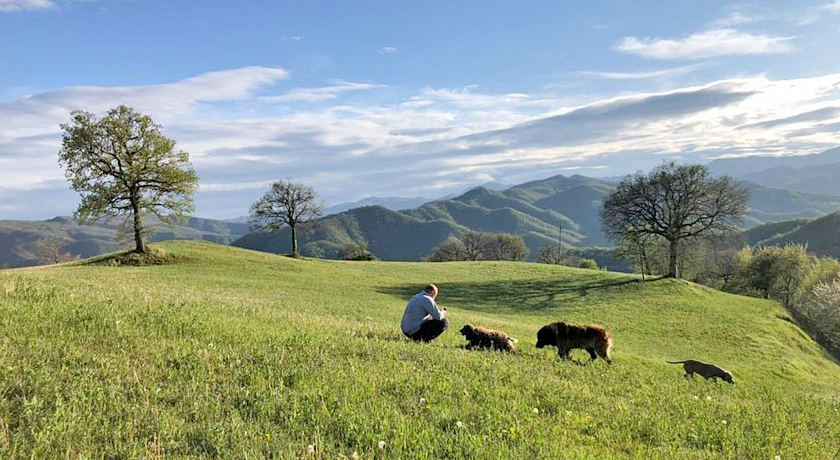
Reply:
x=228, y=353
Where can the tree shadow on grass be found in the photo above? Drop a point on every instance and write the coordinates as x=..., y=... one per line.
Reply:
x=519, y=295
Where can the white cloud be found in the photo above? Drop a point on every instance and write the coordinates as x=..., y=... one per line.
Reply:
x=24, y=5
x=387, y=50
x=833, y=7
x=735, y=19
x=640, y=75
x=292, y=38
x=711, y=43
x=322, y=93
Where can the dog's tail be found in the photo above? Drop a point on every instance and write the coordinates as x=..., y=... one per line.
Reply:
x=675, y=362
x=512, y=340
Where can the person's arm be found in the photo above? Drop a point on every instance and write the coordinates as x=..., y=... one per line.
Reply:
x=431, y=308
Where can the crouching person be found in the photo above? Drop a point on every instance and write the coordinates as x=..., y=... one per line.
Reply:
x=423, y=321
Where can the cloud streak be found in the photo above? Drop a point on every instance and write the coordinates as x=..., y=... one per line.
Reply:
x=711, y=43
x=424, y=142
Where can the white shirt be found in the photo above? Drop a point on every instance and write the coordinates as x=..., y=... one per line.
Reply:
x=420, y=308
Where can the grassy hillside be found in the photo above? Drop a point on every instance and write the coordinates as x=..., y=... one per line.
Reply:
x=230, y=353
x=19, y=239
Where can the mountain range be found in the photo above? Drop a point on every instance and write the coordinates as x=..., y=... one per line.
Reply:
x=20, y=239
x=818, y=173
x=534, y=210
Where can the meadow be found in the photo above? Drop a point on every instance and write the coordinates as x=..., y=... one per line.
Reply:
x=228, y=353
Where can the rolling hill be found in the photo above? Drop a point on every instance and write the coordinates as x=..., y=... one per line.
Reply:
x=533, y=210
x=822, y=235
x=19, y=239
x=228, y=353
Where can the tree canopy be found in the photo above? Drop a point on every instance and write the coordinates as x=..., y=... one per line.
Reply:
x=123, y=166
x=673, y=203
x=286, y=203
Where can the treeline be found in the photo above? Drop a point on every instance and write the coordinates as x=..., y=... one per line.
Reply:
x=480, y=246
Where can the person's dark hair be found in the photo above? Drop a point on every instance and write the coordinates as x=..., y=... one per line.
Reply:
x=431, y=289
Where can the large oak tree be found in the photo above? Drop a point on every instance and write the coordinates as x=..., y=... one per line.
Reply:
x=123, y=166
x=674, y=203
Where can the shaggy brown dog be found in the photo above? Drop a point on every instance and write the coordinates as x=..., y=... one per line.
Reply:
x=486, y=338
x=565, y=336
x=708, y=371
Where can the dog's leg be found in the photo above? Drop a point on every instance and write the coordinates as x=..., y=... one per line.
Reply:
x=592, y=354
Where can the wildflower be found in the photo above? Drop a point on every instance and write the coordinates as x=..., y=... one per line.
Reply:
x=778, y=457
x=355, y=455
x=459, y=424
x=724, y=422
x=310, y=449
x=696, y=397
x=422, y=401
x=536, y=411
x=381, y=445
x=708, y=398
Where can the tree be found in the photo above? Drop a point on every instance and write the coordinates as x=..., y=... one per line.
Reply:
x=450, y=250
x=50, y=250
x=123, y=166
x=355, y=251
x=674, y=203
x=549, y=254
x=473, y=245
x=504, y=246
x=286, y=203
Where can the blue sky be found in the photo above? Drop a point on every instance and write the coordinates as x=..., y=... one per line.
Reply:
x=399, y=98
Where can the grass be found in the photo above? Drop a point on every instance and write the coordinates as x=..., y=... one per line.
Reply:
x=228, y=353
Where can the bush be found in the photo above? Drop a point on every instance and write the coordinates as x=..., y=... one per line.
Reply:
x=821, y=314
x=588, y=263
x=356, y=252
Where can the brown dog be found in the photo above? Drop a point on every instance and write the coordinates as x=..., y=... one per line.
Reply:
x=480, y=337
x=708, y=371
x=565, y=336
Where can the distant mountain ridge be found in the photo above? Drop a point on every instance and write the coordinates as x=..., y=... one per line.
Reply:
x=819, y=173
x=19, y=239
x=534, y=210
x=822, y=235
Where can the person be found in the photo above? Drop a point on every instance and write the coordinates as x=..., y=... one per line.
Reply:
x=423, y=320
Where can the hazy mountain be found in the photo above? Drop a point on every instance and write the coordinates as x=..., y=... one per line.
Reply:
x=533, y=210
x=19, y=239
x=393, y=203
x=823, y=178
x=742, y=166
x=822, y=235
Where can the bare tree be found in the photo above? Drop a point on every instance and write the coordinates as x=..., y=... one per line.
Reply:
x=286, y=203
x=549, y=254
x=50, y=250
x=676, y=203
x=473, y=245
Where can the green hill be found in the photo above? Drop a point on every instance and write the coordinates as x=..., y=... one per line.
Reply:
x=533, y=210
x=228, y=353
x=821, y=235
x=19, y=239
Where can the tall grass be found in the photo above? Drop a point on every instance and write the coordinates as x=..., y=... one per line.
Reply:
x=227, y=353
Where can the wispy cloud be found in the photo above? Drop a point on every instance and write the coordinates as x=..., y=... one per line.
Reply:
x=292, y=38
x=711, y=43
x=24, y=5
x=735, y=19
x=321, y=94
x=640, y=75
x=387, y=50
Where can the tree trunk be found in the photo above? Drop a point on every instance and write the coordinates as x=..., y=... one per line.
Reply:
x=294, y=242
x=672, y=263
x=138, y=229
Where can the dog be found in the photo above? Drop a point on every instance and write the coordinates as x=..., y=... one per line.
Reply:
x=566, y=336
x=708, y=371
x=479, y=337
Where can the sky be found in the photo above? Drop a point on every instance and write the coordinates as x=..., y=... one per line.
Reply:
x=413, y=98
